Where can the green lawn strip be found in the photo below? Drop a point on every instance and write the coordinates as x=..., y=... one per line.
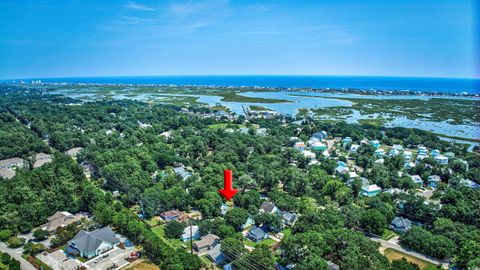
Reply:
x=387, y=235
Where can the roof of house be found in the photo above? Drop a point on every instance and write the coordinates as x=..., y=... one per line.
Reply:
x=9, y=161
x=6, y=173
x=60, y=219
x=371, y=188
x=177, y=214
x=74, y=151
x=268, y=207
x=216, y=254
x=257, y=232
x=289, y=217
x=186, y=232
x=206, y=240
x=400, y=222
x=41, y=159
x=182, y=172
x=90, y=241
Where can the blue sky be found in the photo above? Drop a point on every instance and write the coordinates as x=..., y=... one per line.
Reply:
x=433, y=38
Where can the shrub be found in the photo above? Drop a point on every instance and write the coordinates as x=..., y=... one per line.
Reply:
x=15, y=242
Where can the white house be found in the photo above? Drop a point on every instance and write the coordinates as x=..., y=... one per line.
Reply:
x=442, y=160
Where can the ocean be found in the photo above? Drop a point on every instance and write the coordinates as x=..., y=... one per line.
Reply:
x=445, y=85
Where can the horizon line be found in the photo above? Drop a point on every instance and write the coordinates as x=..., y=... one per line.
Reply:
x=237, y=75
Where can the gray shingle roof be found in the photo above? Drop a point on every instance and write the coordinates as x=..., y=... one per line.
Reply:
x=90, y=241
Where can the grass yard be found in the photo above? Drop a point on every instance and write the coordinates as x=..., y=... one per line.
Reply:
x=268, y=242
x=392, y=254
x=387, y=235
x=287, y=232
x=174, y=243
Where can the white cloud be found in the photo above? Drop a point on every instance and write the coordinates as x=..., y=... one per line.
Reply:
x=137, y=6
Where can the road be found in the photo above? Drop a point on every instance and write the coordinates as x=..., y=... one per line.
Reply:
x=17, y=255
x=393, y=245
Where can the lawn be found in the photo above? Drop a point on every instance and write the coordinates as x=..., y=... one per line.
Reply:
x=144, y=266
x=174, y=243
x=268, y=242
x=287, y=232
x=387, y=235
x=392, y=254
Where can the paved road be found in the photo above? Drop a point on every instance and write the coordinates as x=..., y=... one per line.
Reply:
x=17, y=254
x=393, y=245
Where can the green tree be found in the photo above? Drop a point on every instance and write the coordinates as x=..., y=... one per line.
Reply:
x=236, y=218
x=174, y=229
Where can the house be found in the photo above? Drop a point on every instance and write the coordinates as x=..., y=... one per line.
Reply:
x=6, y=173
x=176, y=215
x=250, y=221
x=320, y=135
x=354, y=148
x=433, y=181
x=223, y=209
x=422, y=151
x=207, y=242
x=346, y=141
x=434, y=153
x=400, y=225
x=299, y=146
x=409, y=165
x=371, y=190
x=407, y=155
x=269, y=208
x=289, y=218
x=319, y=146
x=417, y=179
x=308, y=154
x=342, y=170
x=380, y=161
x=375, y=143
x=41, y=159
x=216, y=255
x=94, y=243
x=257, y=234
x=261, y=132
x=379, y=153
x=449, y=155
x=180, y=171
x=60, y=220
x=421, y=157
x=74, y=151
x=397, y=147
x=393, y=152
x=442, y=160
x=469, y=183
x=244, y=130
x=11, y=163
x=190, y=233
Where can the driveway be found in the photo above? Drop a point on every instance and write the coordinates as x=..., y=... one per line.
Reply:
x=115, y=256
x=17, y=255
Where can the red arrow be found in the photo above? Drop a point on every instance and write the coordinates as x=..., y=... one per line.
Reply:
x=228, y=191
